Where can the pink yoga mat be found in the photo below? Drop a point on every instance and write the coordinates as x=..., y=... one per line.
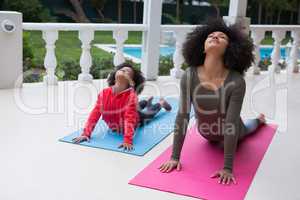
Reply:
x=200, y=159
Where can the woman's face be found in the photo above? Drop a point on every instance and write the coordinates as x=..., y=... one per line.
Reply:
x=216, y=42
x=125, y=74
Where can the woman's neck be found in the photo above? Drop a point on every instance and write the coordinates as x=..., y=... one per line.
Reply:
x=213, y=66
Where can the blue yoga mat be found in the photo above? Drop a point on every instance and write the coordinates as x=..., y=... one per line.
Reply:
x=145, y=138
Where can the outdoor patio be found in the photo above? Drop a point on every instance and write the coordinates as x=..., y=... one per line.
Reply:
x=35, y=165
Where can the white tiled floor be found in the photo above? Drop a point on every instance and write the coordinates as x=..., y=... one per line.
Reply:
x=34, y=165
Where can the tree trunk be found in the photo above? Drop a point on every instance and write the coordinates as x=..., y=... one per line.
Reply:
x=259, y=12
x=100, y=13
x=291, y=17
x=67, y=13
x=279, y=16
x=298, y=17
x=79, y=11
x=266, y=16
x=134, y=12
x=271, y=18
x=217, y=9
x=177, y=10
x=119, y=11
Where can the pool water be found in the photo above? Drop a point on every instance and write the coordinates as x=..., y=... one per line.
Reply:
x=164, y=51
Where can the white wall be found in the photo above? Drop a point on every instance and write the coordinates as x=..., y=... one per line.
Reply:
x=11, y=48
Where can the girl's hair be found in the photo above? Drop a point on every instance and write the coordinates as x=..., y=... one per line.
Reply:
x=138, y=77
x=238, y=54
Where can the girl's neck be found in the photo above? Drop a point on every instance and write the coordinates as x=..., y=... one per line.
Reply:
x=213, y=66
x=119, y=87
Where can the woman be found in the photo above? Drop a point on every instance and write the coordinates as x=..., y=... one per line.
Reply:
x=218, y=56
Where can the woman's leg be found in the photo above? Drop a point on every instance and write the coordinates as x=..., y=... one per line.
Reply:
x=252, y=124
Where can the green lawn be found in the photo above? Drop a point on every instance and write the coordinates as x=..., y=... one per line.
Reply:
x=68, y=45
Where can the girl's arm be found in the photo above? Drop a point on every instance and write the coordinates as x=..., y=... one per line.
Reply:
x=232, y=127
x=130, y=118
x=93, y=117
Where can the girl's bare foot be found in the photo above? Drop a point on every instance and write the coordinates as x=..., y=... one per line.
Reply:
x=261, y=118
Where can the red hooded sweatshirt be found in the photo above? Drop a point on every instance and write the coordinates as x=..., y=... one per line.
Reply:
x=119, y=111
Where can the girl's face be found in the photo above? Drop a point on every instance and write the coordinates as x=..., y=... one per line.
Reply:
x=216, y=42
x=125, y=74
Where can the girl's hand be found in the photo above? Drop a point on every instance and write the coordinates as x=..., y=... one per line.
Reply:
x=170, y=166
x=80, y=139
x=126, y=146
x=225, y=176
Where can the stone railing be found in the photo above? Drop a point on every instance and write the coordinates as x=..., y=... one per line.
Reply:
x=179, y=32
x=86, y=35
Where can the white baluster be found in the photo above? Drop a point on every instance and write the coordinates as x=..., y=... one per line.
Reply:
x=50, y=37
x=295, y=51
x=85, y=36
x=278, y=36
x=257, y=36
x=178, y=59
x=120, y=37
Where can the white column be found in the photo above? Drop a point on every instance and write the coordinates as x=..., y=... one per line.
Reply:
x=151, y=38
x=278, y=36
x=120, y=37
x=295, y=52
x=85, y=36
x=237, y=14
x=178, y=59
x=50, y=37
x=237, y=8
x=257, y=36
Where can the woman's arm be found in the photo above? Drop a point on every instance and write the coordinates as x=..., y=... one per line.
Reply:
x=232, y=127
x=183, y=115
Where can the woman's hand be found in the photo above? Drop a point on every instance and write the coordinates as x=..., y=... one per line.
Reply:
x=170, y=166
x=225, y=176
x=126, y=146
x=80, y=139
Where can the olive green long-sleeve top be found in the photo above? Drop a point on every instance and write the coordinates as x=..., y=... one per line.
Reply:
x=217, y=112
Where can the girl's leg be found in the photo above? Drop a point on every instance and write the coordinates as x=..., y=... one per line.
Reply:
x=145, y=103
x=142, y=104
x=148, y=114
x=152, y=109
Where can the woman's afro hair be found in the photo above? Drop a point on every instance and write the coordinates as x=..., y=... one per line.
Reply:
x=138, y=77
x=238, y=55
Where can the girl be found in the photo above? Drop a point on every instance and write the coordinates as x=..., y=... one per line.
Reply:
x=218, y=56
x=119, y=107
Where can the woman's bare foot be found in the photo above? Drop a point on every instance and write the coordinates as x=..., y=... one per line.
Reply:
x=165, y=104
x=261, y=118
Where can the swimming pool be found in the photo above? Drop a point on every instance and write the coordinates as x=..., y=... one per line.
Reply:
x=164, y=51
